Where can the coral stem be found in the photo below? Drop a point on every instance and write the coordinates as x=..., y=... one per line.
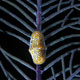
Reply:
x=38, y=73
x=38, y=17
x=38, y=21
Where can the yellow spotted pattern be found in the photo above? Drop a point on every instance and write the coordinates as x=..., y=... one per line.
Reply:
x=37, y=48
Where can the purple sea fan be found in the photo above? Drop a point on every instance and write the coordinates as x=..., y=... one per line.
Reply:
x=58, y=21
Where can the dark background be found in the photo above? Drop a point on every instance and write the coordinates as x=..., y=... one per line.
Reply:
x=20, y=50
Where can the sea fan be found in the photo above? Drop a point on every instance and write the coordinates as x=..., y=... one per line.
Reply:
x=58, y=21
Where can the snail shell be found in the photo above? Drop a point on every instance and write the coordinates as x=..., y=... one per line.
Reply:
x=37, y=48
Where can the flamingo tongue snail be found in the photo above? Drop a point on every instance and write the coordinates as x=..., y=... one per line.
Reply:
x=37, y=48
